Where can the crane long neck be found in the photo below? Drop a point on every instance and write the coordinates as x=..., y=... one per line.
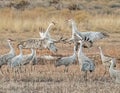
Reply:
x=11, y=48
x=20, y=50
x=74, y=28
x=101, y=53
x=112, y=65
x=33, y=52
x=74, y=51
x=48, y=29
x=80, y=49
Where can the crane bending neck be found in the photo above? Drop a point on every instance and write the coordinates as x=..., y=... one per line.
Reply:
x=48, y=29
x=80, y=49
x=11, y=48
x=101, y=53
x=20, y=50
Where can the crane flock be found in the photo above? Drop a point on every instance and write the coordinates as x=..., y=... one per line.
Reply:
x=80, y=39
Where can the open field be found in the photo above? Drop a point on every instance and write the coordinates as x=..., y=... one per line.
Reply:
x=46, y=78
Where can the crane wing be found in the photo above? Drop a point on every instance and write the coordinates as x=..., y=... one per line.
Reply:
x=94, y=36
x=32, y=43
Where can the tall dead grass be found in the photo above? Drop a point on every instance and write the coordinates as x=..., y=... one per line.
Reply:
x=30, y=20
x=108, y=23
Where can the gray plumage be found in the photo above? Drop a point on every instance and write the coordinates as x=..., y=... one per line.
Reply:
x=89, y=37
x=27, y=58
x=66, y=61
x=45, y=41
x=17, y=59
x=6, y=58
x=86, y=63
x=34, y=59
x=39, y=43
x=105, y=59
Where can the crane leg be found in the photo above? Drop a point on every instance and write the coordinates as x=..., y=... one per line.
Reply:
x=86, y=78
x=1, y=72
x=8, y=70
x=66, y=69
x=104, y=72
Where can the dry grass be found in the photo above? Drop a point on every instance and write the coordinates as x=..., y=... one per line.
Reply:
x=46, y=78
x=29, y=21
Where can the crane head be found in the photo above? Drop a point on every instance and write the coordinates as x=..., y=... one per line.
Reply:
x=9, y=39
x=19, y=46
x=99, y=47
x=53, y=23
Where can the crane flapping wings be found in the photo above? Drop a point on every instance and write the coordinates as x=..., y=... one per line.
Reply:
x=94, y=36
x=32, y=43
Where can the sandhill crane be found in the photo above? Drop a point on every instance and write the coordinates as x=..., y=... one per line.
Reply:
x=114, y=74
x=105, y=60
x=46, y=33
x=89, y=37
x=66, y=61
x=27, y=58
x=45, y=41
x=7, y=57
x=17, y=59
x=39, y=43
x=86, y=63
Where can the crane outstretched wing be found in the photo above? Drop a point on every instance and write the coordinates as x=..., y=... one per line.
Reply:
x=94, y=36
x=32, y=43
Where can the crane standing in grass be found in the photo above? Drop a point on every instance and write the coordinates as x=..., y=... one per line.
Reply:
x=105, y=60
x=16, y=61
x=86, y=63
x=6, y=58
x=27, y=58
x=66, y=61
